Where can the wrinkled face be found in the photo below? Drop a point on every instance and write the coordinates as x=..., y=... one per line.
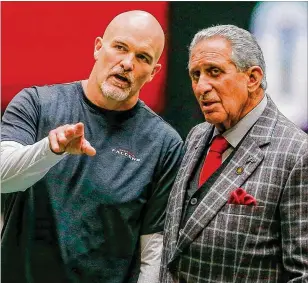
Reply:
x=219, y=87
x=126, y=60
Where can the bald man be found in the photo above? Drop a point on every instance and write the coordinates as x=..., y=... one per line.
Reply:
x=88, y=167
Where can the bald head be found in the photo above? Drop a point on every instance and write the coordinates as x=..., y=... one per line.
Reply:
x=139, y=24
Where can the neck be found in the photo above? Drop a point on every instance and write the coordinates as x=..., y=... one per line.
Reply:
x=95, y=95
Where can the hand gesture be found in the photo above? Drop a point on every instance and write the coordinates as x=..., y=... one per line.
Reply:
x=70, y=138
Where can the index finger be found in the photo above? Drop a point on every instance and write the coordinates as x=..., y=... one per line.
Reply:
x=79, y=129
x=74, y=131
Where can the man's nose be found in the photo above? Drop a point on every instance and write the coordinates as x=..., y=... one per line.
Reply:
x=127, y=62
x=203, y=86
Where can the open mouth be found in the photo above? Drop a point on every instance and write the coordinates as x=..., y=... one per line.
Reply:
x=122, y=78
x=207, y=103
x=208, y=106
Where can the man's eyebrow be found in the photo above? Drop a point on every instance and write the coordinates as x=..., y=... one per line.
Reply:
x=120, y=42
x=150, y=57
x=191, y=70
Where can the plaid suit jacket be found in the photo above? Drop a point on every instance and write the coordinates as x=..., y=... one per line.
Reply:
x=223, y=242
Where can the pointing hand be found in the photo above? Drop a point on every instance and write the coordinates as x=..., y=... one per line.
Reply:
x=70, y=138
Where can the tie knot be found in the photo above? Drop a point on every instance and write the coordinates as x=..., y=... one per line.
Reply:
x=219, y=144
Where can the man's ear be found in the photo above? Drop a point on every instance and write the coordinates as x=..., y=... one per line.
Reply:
x=255, y=76
x=97, y=47
x=156, y=69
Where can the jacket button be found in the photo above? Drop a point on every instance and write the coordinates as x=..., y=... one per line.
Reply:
x=193, y=201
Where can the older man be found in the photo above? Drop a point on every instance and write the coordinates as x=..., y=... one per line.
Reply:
x=238, y=211
x=89, y=167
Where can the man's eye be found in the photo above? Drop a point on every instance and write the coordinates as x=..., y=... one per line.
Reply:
x=195, y=75
x=215, y=72
x=143, y=58
x=119, y=47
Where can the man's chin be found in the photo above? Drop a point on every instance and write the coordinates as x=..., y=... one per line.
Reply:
x=115, y=93
x=116, y=97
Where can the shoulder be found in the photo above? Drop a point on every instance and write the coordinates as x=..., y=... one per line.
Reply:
x=56, y=90
x=283, y=136
x=292, y=138
x=158, y=125
x=49, y=93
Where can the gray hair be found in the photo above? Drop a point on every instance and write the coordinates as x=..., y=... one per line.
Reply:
x=246, y=52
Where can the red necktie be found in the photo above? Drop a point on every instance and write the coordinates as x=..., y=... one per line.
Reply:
x=213, y=159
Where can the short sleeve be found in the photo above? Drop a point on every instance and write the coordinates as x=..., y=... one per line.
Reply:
x=155, y=210
x=20, y=119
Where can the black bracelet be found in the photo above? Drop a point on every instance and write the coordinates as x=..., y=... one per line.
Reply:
x=57, y=153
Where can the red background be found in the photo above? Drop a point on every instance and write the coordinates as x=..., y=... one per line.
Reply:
x=53, y=42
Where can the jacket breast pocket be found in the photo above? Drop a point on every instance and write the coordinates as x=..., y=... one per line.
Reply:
x=248, y=210
x=244, y=219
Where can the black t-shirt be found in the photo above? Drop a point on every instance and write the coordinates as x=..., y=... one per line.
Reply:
x=91, y=210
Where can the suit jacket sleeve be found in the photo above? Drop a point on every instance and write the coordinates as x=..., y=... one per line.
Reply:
x=294, y=222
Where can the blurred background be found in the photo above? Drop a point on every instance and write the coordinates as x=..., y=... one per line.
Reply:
x=53, y=42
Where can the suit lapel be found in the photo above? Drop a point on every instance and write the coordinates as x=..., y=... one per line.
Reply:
x=194, y=152
x=220, y=191
x=248, y=156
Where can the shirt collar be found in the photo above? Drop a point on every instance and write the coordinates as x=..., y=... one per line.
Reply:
x=235, y=134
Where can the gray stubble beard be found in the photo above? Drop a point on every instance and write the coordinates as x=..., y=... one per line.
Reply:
x=115, y=93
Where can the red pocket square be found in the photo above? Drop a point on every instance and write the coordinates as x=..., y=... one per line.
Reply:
x=240, y=196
